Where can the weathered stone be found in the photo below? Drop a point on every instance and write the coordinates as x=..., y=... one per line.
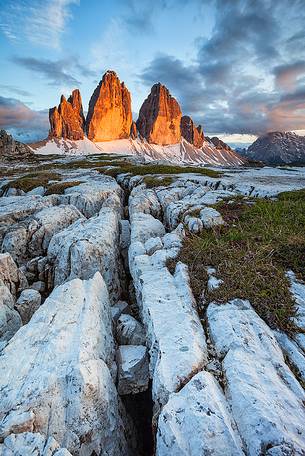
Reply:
x=10, y=320
x=133, y=372
x=121, y=307
x=11, y=276
x=67, y=121
x=197, y=421
x=159, y=117
x=29, y=443
x=210, y=217
x=27, y=304
x=109, y=114
x=129, y=331
x=70, y=394
x=144, y=226
x=266, y=400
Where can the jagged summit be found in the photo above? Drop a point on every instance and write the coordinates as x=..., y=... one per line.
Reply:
x=109, y=114
x=159, y=117
x=67, y=120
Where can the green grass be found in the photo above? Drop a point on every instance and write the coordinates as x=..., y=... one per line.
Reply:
x=152, y=181
x=142, y=170
x=60, y=187
x=33, y=180
x=293, y=195
x=251, y=254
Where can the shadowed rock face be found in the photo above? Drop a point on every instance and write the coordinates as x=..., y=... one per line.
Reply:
x=159, y=117
x=219, y=144
x=194, y=135
x=67, y=121
x=109, y=115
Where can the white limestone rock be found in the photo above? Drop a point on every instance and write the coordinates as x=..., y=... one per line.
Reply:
x=297, y=289
x=129, y=331
x=194, y=224
x=266, y=399
x=144, y=227
x=90, y=197
x=56, y=376
x=145, y=201
x=197, y=421
x=16, y=208
x=11, y=276
x=27, y=304
x=153, y=244
x=10, y=320
x=210, y=217
x=121, y=307
x=37, y=191
x=50, y=221
x=133, y=372
x=29, y=443
x=15, y=242
x=124, y=234
x=175, y=336
x=294, y=353
x=88, y=246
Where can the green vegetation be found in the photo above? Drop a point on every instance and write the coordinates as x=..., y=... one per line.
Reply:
x=152, y=181
x=143, y=170
x=293, y=195
x=60, y=187
x=33, y=180
x=251, y=254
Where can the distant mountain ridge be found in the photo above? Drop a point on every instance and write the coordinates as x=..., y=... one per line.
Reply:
x=277, y=148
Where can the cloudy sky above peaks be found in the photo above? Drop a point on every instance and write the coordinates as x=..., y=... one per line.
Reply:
x=236, y=66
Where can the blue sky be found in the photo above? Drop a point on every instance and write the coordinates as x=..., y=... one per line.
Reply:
x=236, y=66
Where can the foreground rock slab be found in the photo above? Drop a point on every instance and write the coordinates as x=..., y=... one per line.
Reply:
x=29, y=443
x=197, y=421
x=56, y=373
x=266, y=399
x=133, y=372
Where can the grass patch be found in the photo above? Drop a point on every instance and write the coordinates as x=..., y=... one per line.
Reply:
x=152, y=181
x=294, y=195
x=142, y=170
x=33, y=180
x=252, y=255
x=60, y=187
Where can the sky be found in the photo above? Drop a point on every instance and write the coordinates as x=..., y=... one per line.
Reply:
x=237, y=67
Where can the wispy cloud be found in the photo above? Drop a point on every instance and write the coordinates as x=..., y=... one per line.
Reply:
x=56, y=72
x=42, y=22
x=15, y=90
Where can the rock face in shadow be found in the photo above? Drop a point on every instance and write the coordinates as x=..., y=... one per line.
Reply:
x=11, y=149
x=194, y=135
x=109, y=115
x=159, y=117
x=67, y=120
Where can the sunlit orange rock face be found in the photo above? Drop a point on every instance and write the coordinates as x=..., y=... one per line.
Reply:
x=67, y=120
x=194, y=135
x=109, y=115
x=159, y=117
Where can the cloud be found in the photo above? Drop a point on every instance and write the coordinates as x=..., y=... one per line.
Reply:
x=55, y=71
x=247, y=77
x=24, y=123
x=42, y=22
x=287, y=75
x=15, y=90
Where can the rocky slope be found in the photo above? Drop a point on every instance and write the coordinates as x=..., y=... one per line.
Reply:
x=109, y=114
x=10, y=149
x=159, y=117
x=278, y=148
x=104, y=349
x=67, y=120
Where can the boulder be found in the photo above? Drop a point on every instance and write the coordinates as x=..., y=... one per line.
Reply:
x=56, y=373
x=159, y=117
x=11, y=276
x=197, y=421
x=29, y=443
x=88, y=246
x=27, y=304
x=210, y=217
x=67, y=120
x=133, y=372
x=109, y=114
x=266, y=400
x=10, y=320
x=129, y=331
x=144, y=227
x=121, y=307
